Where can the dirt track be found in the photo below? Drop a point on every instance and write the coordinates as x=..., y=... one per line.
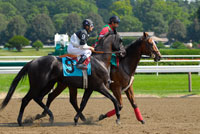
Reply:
x=162, y=116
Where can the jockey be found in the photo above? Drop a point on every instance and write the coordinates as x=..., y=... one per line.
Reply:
x=78, y=43
x=113, y=24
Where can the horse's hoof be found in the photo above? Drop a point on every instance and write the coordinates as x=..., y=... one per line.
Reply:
x=83, y=118
x=142, y=121
x=118, y=122
x=51, y=120
x=75, y=121
x=101, y=117
x=20, y=124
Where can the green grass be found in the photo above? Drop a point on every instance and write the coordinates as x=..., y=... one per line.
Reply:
x=161, y=85
x=165, y=84
x=26, y=52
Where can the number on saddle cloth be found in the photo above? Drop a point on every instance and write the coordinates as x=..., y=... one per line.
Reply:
x=69, y=67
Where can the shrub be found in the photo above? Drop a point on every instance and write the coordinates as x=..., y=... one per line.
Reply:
x=18, y=42
x=37, y=45
x=178, y=45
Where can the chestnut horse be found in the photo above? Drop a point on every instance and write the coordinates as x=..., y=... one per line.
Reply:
x=45, y=71
x=122, y=77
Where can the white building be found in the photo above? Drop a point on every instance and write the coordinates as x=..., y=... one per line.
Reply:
x=61, y=39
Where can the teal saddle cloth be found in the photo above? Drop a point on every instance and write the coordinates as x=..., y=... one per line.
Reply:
x=69, y=67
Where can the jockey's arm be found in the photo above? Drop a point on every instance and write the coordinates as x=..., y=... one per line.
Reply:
x=83, y=42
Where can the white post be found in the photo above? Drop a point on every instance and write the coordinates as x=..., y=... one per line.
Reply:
x=190, y=81
x=157, y=71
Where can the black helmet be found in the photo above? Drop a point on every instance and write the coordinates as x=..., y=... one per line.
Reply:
x=114, y=19
x=88, y=22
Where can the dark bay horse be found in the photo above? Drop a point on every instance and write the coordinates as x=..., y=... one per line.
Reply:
x=122, y=76
x=45, y=71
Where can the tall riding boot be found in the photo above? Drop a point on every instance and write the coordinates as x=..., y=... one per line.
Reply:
x=80, y=64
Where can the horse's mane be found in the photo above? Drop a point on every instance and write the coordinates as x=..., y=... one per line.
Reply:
x=133, y=43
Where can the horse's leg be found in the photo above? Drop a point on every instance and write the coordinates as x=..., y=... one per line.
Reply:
x=85, y=98
x=59, y=88
x=130, y=95
x=117, y=93
x=39, y=102
x=24, y=103
x=73, y=101
x=106, y=93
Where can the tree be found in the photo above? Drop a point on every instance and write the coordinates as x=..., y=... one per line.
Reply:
x=130, y=24
x=42, y=28
x=105, y=14
x=178, y=45
x=160, y=45
x=76, y=6
x=193, y=31
x=3, y=22
x=18, y=42
x=71, y=24
x=177, y=31
x=3, y=25
x=37, y=45
x=17, y=26
x=155, y=22
x=104, y=4
x=98, y=23
x=8, y=46
x=121, y=8
x=198, y=14
x=7, y=9
x=58, y=20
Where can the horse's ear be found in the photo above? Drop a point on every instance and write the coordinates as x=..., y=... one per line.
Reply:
x=145, y=34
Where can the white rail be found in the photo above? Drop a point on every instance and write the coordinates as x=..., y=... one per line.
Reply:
x=164, y=56
x=140, y=69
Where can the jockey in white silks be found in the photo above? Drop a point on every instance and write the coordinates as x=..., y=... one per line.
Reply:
x=78, y=43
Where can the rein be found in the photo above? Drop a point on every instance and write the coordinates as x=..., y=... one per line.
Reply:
x=102, y=52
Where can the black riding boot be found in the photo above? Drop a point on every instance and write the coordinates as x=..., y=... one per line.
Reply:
x=80, y=64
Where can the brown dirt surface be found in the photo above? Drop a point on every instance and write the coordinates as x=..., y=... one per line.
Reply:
x=172, y=115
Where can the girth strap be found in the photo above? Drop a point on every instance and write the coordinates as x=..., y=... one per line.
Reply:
x=85, y=79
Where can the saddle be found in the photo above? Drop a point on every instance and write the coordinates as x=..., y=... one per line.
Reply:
x=69, y=62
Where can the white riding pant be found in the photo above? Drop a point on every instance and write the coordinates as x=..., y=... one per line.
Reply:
x=78, y=51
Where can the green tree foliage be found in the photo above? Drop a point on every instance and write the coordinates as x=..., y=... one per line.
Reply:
x=154, y=15
x=8, y=9
x=17, y=26
x=72, y=24
x=104, y=4
x=42, y=28
x=193, y=31
x=37, y=45
x=157, y=14
x=98, y=23
x=18, y=42
x=8, y=46
x=130, y=24
x=160, y=45
x=155, y=22
x=105, y=14
x=58, y=20
x=177, y=31
x=198, y=14
x=75, y=6
x=3, y=22
x=178, y=45
x=121, y=8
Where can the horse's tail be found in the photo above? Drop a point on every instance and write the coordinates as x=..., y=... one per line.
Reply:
x=22, y=73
